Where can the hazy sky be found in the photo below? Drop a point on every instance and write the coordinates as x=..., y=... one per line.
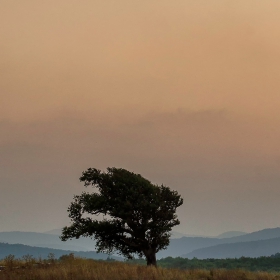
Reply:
x=184, y=92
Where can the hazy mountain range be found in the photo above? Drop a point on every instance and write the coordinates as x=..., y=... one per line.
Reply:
x=251, y=249
x=174, y=234
x=50, y=239
x=19, y=250
x=229, y=234
x=188, y=246
x=227, y=245
x=46, y=240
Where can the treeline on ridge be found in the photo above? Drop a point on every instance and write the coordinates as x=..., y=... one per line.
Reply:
x=269, y=264
x=265, y=264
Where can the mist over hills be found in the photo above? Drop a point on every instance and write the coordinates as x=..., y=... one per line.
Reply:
x=47, y=240
x=267, y=233
x=230, y=234
x=56, y=231
x=174, y=234
x=251, y=249
x=185, y=245
x=250, y=244
x=19, y=250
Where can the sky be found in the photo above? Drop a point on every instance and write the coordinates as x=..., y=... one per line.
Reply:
x=185, y=93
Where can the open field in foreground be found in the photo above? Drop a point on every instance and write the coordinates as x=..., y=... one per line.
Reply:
x=79, y=269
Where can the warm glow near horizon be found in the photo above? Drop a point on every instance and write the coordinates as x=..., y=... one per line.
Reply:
x=184, y=92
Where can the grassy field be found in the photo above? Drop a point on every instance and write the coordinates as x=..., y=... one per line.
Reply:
x=80, y=269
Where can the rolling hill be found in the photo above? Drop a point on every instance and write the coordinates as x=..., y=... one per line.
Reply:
x=186, y=245
x=46, y=240
x=19, y=250
x=251, y=249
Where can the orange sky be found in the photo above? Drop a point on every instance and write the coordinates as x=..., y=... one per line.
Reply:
x=184, y=92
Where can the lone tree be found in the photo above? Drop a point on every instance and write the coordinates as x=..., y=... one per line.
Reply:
x=137, y=215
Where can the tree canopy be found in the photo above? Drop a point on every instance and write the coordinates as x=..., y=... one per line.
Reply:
x=137, y=216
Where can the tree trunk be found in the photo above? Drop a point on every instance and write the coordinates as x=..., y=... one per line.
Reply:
x=151, y=258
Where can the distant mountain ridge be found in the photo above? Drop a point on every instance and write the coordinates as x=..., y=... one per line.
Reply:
x=252, y=249
x=19, y=250
x=230, y=234
x=174, y=234
x=263, y=234
x=185, y=245
x=47, y=240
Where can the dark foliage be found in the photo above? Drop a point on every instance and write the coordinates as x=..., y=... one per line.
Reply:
x=137, y=215
x=269, y=264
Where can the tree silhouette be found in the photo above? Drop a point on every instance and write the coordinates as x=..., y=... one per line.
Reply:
x=137, y=215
